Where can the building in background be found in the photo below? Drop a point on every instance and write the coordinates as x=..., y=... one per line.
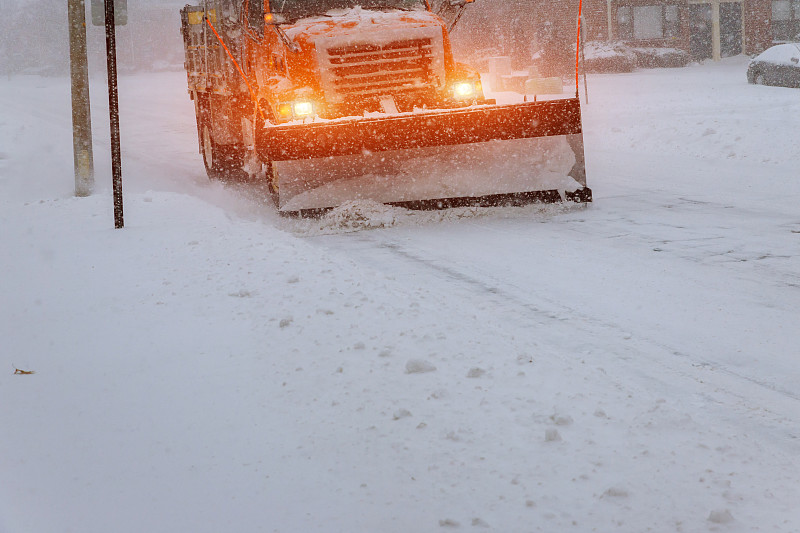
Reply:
x=706, y=29
x=524, y=30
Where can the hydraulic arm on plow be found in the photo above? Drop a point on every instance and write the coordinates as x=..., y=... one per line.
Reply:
x=328, y=101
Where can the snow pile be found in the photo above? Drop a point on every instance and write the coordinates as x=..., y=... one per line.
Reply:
x=419, y=366
x=618, y=56
x=360, y=214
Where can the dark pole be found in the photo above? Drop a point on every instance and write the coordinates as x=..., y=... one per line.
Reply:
x=583, y=62
x=113, y=110
x=81, y=114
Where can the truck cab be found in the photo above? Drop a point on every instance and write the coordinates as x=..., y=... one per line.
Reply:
x=257, y=63
x=333, y=58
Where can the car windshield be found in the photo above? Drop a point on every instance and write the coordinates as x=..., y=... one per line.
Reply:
x=296, y=9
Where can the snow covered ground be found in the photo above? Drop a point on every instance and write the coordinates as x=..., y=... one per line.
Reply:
x=627, y=366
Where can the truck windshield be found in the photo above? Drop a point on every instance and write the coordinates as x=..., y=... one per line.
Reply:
x=297, y=9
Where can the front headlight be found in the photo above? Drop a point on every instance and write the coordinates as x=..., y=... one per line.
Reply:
x=295, y=110
x=303, y=108
x=463, y=90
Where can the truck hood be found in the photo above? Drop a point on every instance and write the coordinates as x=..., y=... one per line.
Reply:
x=337, y=49
x=358, y=24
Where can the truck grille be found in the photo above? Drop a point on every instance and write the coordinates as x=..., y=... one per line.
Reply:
x=353, y=71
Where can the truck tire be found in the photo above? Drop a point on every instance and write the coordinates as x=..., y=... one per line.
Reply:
x=222, y=161
x=271, y=178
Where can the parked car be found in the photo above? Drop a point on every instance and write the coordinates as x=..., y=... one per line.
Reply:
x=779, y=65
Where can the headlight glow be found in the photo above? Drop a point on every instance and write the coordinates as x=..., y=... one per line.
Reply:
x=464, y=89
x=303, y=108
x=296, y=109
x=285, y=111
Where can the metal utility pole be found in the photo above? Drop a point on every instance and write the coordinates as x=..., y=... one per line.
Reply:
x=113, y=109
x=583, y=58
x=81, y=114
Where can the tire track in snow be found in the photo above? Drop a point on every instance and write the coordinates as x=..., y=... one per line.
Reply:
x=710, y=379
x=692, y=207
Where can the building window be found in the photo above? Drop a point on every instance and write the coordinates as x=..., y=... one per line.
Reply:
x=648, y=22
x=625, y=22
x=786, y=20
x=672, y=22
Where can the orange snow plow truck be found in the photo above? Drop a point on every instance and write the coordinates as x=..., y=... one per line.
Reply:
x=330, y=101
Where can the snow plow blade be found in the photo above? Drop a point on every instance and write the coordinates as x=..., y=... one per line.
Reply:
x=483, y=155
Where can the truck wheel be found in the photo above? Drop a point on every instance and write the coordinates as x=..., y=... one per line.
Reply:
x=208, y=150
x=222, y=161
x=272, y=183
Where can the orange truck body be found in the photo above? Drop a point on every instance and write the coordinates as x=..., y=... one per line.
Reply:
x=304, y=97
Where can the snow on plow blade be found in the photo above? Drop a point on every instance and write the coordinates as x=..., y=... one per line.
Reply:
x=483, y=155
